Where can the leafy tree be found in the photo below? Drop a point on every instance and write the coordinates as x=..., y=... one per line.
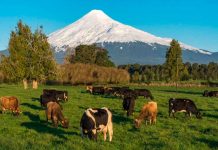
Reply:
x=102, y=59
x=30, y=55
x=185, y=75
x=90, y=54
x=135, y=77
x=173, y=62
x=149, y=76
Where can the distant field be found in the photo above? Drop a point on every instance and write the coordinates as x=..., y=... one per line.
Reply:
x=30, y=131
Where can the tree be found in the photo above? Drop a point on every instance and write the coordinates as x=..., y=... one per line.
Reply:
x=185, y=75
x=173, y=64
x=135, y=77
x=30, y=55
x=90, y=54
x=102, y=59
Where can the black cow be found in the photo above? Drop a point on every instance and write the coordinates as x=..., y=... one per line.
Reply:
x=183, y=105
x=59, y=95
x=98, y=90
x=129, y=104
x=124, y=92
x=97, y=120
x=210, y=93
x=144, y=92
x=44, y=99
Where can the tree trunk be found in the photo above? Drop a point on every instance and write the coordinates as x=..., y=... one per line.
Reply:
x=35, y=84
x=25, y=84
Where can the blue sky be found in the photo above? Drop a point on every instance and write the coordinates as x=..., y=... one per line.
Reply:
x=194, y=22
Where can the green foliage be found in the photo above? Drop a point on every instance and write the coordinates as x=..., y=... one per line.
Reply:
x=30, y=130
x=189, y=71
x=185, y=75
x=173, y=62
x=30, y=55
x=135, y=77
x=149, y=76
x=90, y=54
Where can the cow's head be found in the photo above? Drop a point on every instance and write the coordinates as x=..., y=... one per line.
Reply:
x=198, y=115
x=89, y=89
x=92, y=134
x=65, y=123
x=137, y=123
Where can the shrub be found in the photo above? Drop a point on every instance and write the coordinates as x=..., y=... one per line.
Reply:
x=88, y=74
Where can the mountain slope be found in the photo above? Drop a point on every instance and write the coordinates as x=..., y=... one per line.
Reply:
x=97, y=27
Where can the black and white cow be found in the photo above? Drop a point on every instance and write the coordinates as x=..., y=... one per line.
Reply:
x=210, y=93
x=96, y=120
x=183, y=105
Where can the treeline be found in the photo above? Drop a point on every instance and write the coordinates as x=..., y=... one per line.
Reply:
x=148, y=73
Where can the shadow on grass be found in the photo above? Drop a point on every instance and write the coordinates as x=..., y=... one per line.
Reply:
x=211, y=143
x=121, y=118
x=211, y=116
x=182, y=92
x=35, y=99
x=44, y=127
x=32, y=106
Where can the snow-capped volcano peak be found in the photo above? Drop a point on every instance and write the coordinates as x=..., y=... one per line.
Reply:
x=97, y=27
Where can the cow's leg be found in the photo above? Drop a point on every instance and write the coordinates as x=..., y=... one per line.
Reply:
x=190, y=114
x=110, y=130
x=55, y=122
x=173, y=113
x=105, y=133
x=170, y=112
x=81, y=130
x=153, y=119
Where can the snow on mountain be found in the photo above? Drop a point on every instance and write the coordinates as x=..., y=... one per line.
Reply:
x=97, y=27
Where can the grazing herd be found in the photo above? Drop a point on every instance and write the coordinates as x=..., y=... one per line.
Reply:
x=95, y=120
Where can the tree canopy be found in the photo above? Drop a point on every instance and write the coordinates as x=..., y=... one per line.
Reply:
x=173, y=62
x=90, y=54
x=30, y=55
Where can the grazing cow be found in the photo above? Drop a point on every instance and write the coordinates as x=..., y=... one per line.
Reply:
x=183, y=105
x=124, y=92
x=98, y=90
x=53, y=112
x=108, y=91
x=44, y=99
x=148, y=112
x=59, y=95
x=89, y=88
x=97, y=120
x=129, y=104
x=10, y=103
x=210, y=93
x=144, y=92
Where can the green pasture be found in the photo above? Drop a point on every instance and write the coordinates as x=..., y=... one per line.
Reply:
x=30, y=130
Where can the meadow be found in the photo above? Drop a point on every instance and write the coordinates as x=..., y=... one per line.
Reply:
x=30, y=130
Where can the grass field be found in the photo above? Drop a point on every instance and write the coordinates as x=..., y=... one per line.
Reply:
x=30, y=131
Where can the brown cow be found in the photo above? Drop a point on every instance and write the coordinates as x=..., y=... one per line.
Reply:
x=10, y=103
x=148, y=112
x=53, y=112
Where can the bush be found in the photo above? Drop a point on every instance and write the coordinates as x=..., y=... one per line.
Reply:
x=88, y=74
